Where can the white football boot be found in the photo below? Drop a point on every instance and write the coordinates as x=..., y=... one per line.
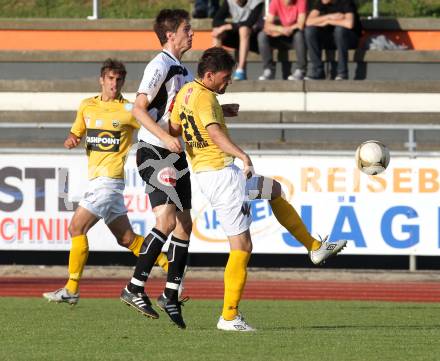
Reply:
x=237, y=324
x=62, y=295
x=327, y=249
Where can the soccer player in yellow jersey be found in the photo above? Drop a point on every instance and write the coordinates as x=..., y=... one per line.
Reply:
x=108, y=126
x=199, y=117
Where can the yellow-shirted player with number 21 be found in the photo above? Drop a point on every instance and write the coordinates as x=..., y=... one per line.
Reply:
x=198, y=115
x=108, y=126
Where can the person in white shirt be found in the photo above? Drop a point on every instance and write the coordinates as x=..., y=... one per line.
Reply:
x=162, y=165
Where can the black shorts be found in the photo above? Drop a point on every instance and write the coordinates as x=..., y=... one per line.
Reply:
x=166, y=176
x=231, y=39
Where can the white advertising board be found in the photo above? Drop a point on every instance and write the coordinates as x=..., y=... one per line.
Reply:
x=396, y=213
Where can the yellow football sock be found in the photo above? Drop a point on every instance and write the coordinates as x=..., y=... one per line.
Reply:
x=79, y=251
x=235, y=279
x=136, y=245
x=289, y=219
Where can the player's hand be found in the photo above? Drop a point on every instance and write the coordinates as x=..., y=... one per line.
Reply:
x=173, y=144
x=230, y=110
x=71, y=141
x=248, y=167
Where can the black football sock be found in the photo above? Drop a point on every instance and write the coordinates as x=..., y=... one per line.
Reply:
x=150, y=249
x=177, y=258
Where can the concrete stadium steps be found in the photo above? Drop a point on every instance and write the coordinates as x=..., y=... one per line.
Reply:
x=310, y=96
x=369, y=24
x=309, y=128
x=90, y=84
x=192, y=56
x=275, y=135
x=253, y=117
x=75, y=64
x=42, y=48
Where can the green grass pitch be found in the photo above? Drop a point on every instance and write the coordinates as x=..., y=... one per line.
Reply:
x=106, y=329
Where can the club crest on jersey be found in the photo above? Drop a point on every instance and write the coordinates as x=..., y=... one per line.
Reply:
x=115, y=123
x=103, y=140
x=167, y=176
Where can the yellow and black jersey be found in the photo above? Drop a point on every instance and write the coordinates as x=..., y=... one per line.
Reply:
x=195, y=108
x=108, y=128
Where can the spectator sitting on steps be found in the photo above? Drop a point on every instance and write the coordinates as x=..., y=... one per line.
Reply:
x=241, y=34
x=332, y=24
x=284, y=36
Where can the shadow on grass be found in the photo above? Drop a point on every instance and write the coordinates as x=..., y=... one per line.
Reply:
x=396, y=307
x=352, y=327
x=374, y=327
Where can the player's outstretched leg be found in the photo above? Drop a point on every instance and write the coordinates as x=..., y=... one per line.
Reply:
x=319, y=250
x=326, y=250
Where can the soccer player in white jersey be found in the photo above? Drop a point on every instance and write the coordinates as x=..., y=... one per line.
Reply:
x=162, y=164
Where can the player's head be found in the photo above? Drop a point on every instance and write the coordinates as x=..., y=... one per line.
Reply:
x=215, y=69
x=172, y=26
x=112, y=78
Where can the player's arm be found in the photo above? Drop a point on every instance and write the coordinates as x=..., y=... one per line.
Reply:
x=78, y=129
x=140, y=113
x=175, y=129
x=71, y=141
x=175, y=123
x=222, y=140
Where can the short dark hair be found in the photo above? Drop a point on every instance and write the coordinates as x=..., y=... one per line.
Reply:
x=215, y=59
x=113, y=65
x=169, y=20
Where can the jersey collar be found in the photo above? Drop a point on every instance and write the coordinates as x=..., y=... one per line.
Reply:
x=166, y=52
x=199, y=82
x=119, y=99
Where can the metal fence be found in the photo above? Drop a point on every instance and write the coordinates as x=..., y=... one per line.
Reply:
x=97, y=5
x=411, y=150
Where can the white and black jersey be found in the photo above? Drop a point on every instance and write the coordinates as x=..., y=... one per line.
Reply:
x=163, y=78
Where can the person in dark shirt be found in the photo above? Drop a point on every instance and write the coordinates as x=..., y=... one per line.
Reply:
x=332, y=24
x=241, y=32
x=205, y=8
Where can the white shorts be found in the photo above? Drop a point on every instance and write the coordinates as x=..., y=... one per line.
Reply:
x=226, y=192
x=104, y=198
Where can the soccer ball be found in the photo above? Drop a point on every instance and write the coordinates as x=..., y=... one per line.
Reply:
x=372, y=157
